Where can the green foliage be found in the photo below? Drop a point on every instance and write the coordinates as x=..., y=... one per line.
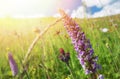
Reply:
x=43, y=62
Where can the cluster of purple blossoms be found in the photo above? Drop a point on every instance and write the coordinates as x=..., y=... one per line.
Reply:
x=81, y=44
x=65, y=57
x=13, y=64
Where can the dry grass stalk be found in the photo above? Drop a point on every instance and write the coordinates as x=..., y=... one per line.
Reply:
x=37, y=38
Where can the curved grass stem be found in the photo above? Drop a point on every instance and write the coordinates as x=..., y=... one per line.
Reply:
x=37, y=38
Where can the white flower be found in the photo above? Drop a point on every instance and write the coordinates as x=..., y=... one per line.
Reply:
x=104, y=29
x=101, y=77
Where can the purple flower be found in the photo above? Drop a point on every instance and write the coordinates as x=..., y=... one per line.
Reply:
x=101, y=77
x=13, y=64
x=65, y=57
x=87, y=71
x=81, y=44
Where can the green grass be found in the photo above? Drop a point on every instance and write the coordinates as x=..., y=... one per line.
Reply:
x=43, y=62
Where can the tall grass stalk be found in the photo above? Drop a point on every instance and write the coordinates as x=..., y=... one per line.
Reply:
x=37, y=38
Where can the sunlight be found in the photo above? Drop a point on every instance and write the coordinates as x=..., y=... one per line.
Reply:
x=22, y=8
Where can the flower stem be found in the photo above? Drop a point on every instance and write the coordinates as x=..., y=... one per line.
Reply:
x=94, y=76
x=70, y=70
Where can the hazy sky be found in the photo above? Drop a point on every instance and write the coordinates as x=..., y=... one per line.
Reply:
x=34, y=8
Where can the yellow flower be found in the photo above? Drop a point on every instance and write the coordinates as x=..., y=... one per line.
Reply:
x=7, y=48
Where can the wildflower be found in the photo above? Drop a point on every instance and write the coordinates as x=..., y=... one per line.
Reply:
x=7, y=48
x=101, y=77
x=16, y=34
x=57, y=32
x=65, y=57
x=66, y=36
x=111, y=20
x=115, y=25
x=81, y=44
x=36, y=30
x=104, y=30
x=13, y=64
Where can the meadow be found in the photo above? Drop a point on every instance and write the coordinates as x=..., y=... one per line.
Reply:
x=16, y=35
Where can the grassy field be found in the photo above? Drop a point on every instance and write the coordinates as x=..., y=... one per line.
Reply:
x=16, y=35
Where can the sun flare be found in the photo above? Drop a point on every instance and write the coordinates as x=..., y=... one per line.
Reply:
x=21, y=8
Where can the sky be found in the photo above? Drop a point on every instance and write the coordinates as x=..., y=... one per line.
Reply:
x=43, y=8
x=97, y=8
